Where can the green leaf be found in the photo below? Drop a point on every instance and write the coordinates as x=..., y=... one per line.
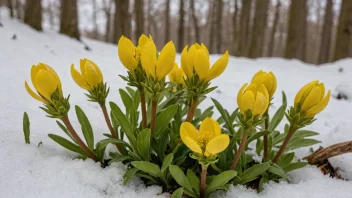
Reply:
x=286, y=159
x=264, y=179
x=279, y=115
x=67, y=144
x=148, y=167
x=224, y=115
x=119, y=158
x=107, y=141
x=167, y=161
x=180, y=177
x=126, y=99
x=193, y=180
x=299, y=143
x=220, y=180
x=164, y=118
x=129, y=175
x=143, y=143
x=257, y=135
x=277, y=170
x=252, y=173
x=26, y=128
x=304, y=134
x=86, y=127
x=121, y=119
x=293, y=166
x=64, y=129
x=177, y=193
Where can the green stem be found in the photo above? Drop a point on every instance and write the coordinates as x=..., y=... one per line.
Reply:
x=153, y=116
x=79, y=141
x=240, y=150
x=143, y=108
x=203, y=180
x=266, y=126
x=291, y=131
x=192, y=110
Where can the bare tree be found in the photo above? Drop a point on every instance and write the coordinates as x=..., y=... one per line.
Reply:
x=325, y=42
x=258, y=31
x=218, y=27
x=107, y=4
x=212, y=24
x=273, y=29
x=292, y=41
x=139, y=17
x=181, y=27
x=344, y=31
x=33, y=14
x=19, y=9
x=69, y=18
x=244, y=27
x=302, y=31
x=95, y=19
x=10, y=6
x=234, y=28
x=195, y=21
x=122, y=19
x=167, y=21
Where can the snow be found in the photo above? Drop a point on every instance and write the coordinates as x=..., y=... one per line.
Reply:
x=47, y=170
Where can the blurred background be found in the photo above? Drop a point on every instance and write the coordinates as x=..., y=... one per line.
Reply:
x=313, y=31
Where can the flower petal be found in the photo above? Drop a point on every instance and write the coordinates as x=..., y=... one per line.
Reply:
x=218, y=67
x=46, y=83
x=204, y=48
x=217, y=145
x=142, y=40
x=312, y=98
x=240, y=94
x=201, y=64
x=34, y=95
x=166, y=60
x=190, y=57
x=260, y=105
x=274, y=82
x=78, y=78
x=93, y=75
x=210, y=127
x=303, y=90
x=184, y=62
x=148, y=58
x=187, y=129
x=247, y=101
x=126, y=52
x=319, y=107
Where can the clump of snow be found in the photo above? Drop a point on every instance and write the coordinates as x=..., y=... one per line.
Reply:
x=48, y=170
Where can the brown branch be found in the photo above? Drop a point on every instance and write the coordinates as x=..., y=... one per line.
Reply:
x=192, y=109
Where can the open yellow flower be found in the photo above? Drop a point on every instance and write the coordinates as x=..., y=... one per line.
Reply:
x=177, y=75
x=45, y=81
x=129, y=53
x=158, y=66
x=268, y=79
x=91, y=75
x=196, y=59
x=207, y=141
x=310, y=99
x=253, y=97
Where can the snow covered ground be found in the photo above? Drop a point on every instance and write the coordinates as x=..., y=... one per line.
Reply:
x=49, y=171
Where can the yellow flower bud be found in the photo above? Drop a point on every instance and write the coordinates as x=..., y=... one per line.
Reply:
x=45, y=81
x=91, y=75
x=267, y=79
x=254, y=98
x=129, y=53
x=158, y=67
x=207, y=141
x=310, y=99
x=196, y=59
x=177, y=75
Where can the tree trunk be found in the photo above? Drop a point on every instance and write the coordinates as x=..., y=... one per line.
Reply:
x=181, y=27
x=10, y=6
x=234, y=28
x=107, y=10
x=292, y=41
x=302, y=31
x=167, y=21
x=244, y=27
x=212, y=24
x=19, y=9
x=219, y=11
x=149, y=17
x=139, y=17
x=69, y=19
x=258, y=32
x=33, y=14
x=122, y=19
x=273, y=30
x=344, y=31
x=95, y=20
x=325, y=42
x=195, y=22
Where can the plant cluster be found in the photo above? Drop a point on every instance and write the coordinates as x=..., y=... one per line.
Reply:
x=161, y=135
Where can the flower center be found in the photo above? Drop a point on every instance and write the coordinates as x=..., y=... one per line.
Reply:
x=204, y=138
x=137, y=53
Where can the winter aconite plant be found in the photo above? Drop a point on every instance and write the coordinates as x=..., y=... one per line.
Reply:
x=161, y=135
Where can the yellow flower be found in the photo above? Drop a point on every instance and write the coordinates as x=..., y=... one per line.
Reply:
x=310, y=99
x=91, y=75
x=158, y=66
x=129, y=53
x=177, y=75
x=267, y=79
x=45, y=81
x=207, y=141
x=196, y=59
x=253, y=97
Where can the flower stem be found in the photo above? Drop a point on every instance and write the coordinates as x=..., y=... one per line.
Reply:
x=108, y=122
x=239, y=150
x=266, y=126
x=143, y=108
x=203, y=180
x=291, y=131
x=192, y=110
x=153, y=117
x=79, y=141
